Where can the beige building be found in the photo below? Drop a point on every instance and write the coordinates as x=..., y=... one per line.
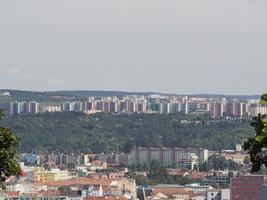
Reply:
x=125, y=187
x=51, y=109
x=172, y=192
x=236, y=157
x=42, y=175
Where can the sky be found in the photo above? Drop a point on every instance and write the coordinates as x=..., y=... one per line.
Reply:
x=169, y=46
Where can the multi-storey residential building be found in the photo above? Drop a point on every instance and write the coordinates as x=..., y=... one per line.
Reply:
x=237, y=157
x=215, y=180
x=87, y=106
x=187, y=161
x=197, y=188
x=70, y=158
x=77, y=106
x=42, y=175
x=67, y=106
x=143, y=156
x=113, y=159
x=33, y=107
x=218, y=109
x=255, y=109
x=170, y=157
x=14, y=108
x=23, y=107
x=30, y=158
x=231, y=108
x=167, y=157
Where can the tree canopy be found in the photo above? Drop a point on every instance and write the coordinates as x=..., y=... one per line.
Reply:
x=218, y=163
x=8, y=153
x=257, y=145
x=75, y=132
x=156, y=174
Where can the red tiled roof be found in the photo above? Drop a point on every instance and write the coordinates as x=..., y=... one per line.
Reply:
x=105, y=198
x=194, y=194
x=48, y=193
x=12, y=193
x=24, y=174
x=170, y=190
x=80, y=181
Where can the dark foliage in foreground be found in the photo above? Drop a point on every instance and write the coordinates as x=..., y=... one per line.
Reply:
x=257, y=145
x=8, y=153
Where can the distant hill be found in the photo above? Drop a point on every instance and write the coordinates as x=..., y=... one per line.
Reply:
x=22, y=95
x=87, y=93
x=220, y=96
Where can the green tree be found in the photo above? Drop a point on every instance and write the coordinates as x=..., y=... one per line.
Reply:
x=257, y=145
x=145, y=167
x=8, y=153
x=75, y=132
x=218, y=163
x=64, y=188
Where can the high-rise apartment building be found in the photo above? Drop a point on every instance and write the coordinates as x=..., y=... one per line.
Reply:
x=77, y=106
x=185, y=107
x=67, y=106
x=256, y=109
x=218, y=109
x=33, y=107
x=15, y=108
x=23, y=107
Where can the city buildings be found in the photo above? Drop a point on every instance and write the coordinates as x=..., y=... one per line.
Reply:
x=218, y=194
x=61, y=182
x=163, y=191
x=42, y=175
x=219, y=180
x=187, y=158
x=237, y=155
x=248, y=187
x=24, y=107
x=147, y=104
x=264, y=192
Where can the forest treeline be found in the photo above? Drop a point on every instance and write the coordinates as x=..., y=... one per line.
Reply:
x=72, y=132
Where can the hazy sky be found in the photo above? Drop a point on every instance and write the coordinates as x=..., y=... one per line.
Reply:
x=178, y=46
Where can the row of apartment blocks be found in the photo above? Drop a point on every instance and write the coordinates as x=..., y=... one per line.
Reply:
x=24, y=107
x=218, y=108
x=237, y=109
x=170, y=157
x=103, y=106
x=184, y=158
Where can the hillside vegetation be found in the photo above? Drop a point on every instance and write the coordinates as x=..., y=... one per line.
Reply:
x=77, y=132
